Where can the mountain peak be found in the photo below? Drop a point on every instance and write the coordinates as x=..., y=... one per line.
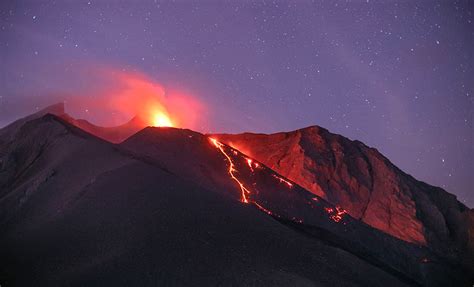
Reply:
x=362, y=181
x=55, y=109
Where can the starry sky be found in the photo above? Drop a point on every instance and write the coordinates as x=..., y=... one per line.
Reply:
x=397, y=75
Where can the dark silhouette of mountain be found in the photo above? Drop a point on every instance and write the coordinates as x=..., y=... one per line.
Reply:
x=115, y=134
x=175, y=207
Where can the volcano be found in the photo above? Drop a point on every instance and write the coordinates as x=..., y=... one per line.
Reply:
x=144, y=206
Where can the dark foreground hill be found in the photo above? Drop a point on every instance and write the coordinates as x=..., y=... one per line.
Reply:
x=162, y=208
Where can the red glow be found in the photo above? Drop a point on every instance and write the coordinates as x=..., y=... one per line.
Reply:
x=337, y=214
x=118, y=96
x=142, y=96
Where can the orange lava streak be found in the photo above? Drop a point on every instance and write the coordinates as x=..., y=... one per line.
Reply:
x=282, y=180
x=231, y=170
x=249, y=162
x=265, y=210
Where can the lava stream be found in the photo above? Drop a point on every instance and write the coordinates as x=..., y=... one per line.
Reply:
x=282, y=180
x=231, y=171
x=336, y=214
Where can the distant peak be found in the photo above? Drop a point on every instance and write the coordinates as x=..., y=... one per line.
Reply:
x=56, y=109
x=313, y=128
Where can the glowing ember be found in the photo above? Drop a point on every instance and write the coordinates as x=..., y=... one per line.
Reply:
x=282, y=180
x=162, y=120
x=337, y=214
x=249, y=162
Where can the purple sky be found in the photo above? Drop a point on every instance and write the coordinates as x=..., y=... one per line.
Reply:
x=397, y=76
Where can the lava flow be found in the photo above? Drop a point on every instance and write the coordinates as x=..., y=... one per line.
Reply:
x=336, y=214
x=282, y=180
x=244, y=190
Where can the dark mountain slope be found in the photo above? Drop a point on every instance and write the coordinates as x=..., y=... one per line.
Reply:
x=368, y=185
x=188, y=153
x=112, y=134
x=115, y=134
x=76, y=210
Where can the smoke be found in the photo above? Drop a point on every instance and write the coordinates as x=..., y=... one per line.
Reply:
x=116, y=96
x=109, y=97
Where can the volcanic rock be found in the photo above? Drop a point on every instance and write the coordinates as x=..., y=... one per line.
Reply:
x=365, y=183
x=76, y=211
x=162, y=208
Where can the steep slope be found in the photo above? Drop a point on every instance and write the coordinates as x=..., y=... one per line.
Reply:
x=174, y=207
x=366, y=184
x=7, y=132
x=115, y=134
x=76, y=210
x=187, y=153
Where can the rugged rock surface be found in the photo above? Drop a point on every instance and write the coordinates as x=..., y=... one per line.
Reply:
x=366, y=184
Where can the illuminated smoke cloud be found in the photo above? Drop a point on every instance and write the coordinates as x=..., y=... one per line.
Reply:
x=117, y=96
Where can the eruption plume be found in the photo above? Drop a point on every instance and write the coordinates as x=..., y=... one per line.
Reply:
x=112, y=97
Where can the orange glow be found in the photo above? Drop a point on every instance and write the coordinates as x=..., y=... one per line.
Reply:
x=141, y=96
x=162, y=120
x=118, y=95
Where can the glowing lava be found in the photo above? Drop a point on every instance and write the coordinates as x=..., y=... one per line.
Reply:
x=161, y=120
x=282, y=180
x=336, y=214
x=231, y=171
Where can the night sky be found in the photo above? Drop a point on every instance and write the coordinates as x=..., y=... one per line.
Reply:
x=397, y=76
